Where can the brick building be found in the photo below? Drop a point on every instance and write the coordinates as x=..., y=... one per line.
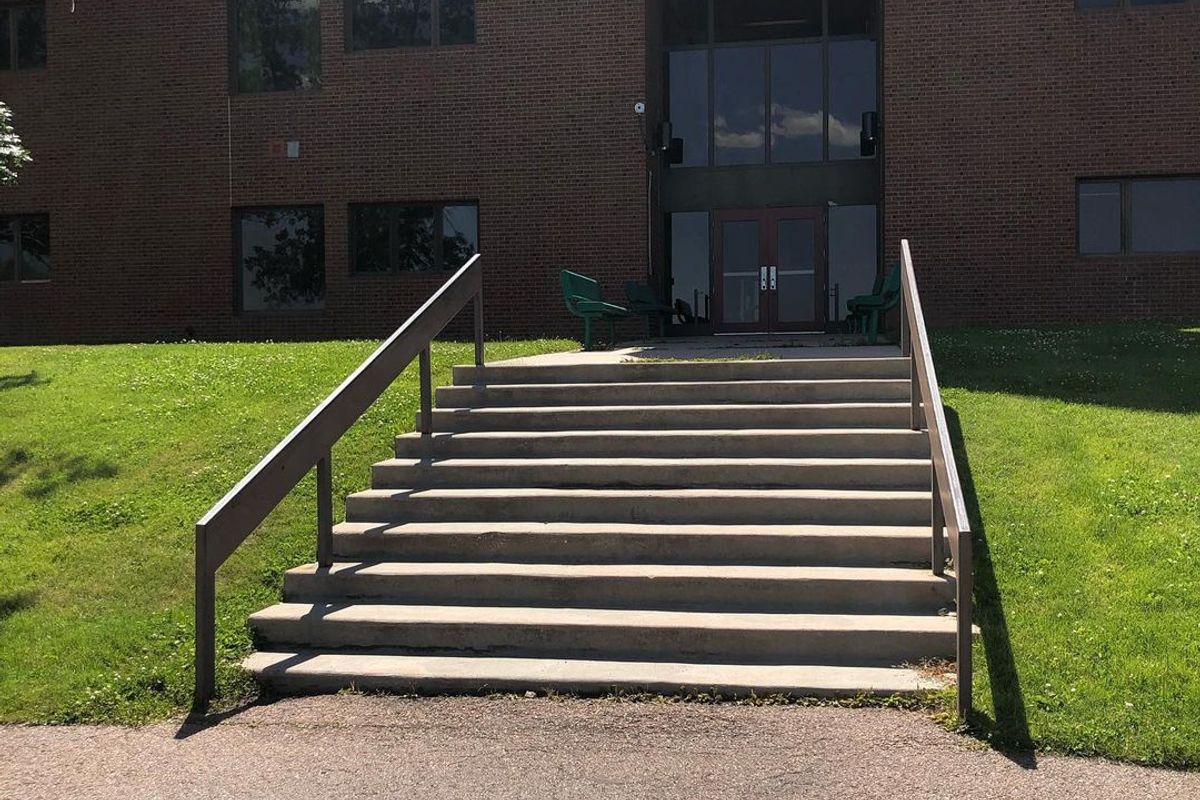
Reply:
x=310, y=168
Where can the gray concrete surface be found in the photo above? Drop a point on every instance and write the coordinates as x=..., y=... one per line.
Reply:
x=372, y=747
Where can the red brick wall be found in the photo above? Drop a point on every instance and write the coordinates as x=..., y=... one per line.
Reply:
x=993, y=110
x=132, y=126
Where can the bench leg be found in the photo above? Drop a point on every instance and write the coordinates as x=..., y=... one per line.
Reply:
x=612, y=331
x=587, y=333
x=873, y=333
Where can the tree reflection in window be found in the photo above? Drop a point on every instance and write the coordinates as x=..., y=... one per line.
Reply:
x=278, y=45
x=413, y=238
x=282, y=258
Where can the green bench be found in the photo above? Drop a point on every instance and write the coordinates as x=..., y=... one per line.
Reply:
x=584, y=300
x=867, y=310
x=644, y=302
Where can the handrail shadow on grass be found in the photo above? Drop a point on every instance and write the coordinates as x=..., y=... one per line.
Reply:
x=21, y=381
x=1009, y=731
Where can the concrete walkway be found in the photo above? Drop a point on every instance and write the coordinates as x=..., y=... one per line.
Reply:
x=374, y=747
x=717, y=347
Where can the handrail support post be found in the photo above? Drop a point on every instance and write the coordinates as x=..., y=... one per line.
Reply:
x=426, y=359
x=325, y=512
x=206, y=622
x=938, y=552
x=964, y=572
x=479, y=360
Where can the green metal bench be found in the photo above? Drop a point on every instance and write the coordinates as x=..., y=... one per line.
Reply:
x=584, y=300
x=643, y=302
x=867, y=310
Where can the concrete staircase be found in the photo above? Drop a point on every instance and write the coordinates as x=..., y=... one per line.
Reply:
x=737, y=527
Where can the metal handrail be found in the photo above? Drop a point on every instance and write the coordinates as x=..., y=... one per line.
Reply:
x=949, y=507
x=231, y=521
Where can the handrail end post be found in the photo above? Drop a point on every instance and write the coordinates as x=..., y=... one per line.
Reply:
x=206, y=621
x=426, y=368
x=964, y=574
x=325, y=512
x=479, y=355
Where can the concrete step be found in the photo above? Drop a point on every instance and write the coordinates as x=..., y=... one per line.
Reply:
x=861, y=390
x=681, y=417
x=665, y=506
x=660, y=371
x=844, y=590
x=730, y=638
x=633, y=543
x=645, y=473
x=844, y=443
x=298, y=672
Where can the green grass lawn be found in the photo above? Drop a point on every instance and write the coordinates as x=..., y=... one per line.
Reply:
x=1083, y=446
x=1084, y=451
x=108, y=457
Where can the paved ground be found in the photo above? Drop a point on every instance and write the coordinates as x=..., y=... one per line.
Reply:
x=723, y=347
x=361, y=747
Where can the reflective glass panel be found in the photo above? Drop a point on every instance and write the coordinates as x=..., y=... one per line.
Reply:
x=1099, y=218
x=852, y=91
x=740, y=113
x=796, y=99
x=689, y=104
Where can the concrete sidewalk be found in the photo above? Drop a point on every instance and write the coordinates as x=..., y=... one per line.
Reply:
x=369, y=747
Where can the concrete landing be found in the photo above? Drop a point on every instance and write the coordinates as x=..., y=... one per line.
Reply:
x=719, y=347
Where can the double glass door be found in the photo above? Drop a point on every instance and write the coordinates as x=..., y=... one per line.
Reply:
x=770, y=270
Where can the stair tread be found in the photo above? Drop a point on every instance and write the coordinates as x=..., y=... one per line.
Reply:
x=643, y=528
x=601, y=385
x=681, y=494
x=647, y=571
x=532, y=617
x=653, y=462
x=668, y=432
x=722, y=407
x=473, y=673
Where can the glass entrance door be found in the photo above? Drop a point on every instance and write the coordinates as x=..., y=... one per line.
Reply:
x=770, y=270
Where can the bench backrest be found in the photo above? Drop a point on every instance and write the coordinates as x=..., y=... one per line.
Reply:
x=577, y=287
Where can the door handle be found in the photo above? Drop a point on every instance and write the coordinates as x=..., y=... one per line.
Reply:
x=774, y=278
x=763, y=279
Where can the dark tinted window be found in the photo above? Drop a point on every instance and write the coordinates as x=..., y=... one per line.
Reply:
x=278, y=45
x=755, y=20
x=281, y=258
x=852, y=17
x=35, y=248
x=690, y=265
x=797, y=85
x=8, y=250
x=456, y=21
x=1099, y=218
x=391, y=23
x=30, y=22
x=852, y=89
x=1165, y=216
x=739, y=93
x=25, y=248
x=685, y=21
x=413, y=238
x=853, y=255
x=411, y=23
x=688, y=101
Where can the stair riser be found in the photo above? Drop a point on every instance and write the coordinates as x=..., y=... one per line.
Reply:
x=674, y=394
x=434, y=685
x=666, y=593
x=848, y=476
x=833, y=647
x=816, y=369
x=624, y=548
x=662, y=510
x=888, y=444
x=669, y=418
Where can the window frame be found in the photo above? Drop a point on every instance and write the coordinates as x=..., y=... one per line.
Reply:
x=439, y=207
x=10, y=9
x=238, y=267
x=14, y=223
x=825, y=40
x=435, y=32
x=1126, y=188
x=234, y=48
